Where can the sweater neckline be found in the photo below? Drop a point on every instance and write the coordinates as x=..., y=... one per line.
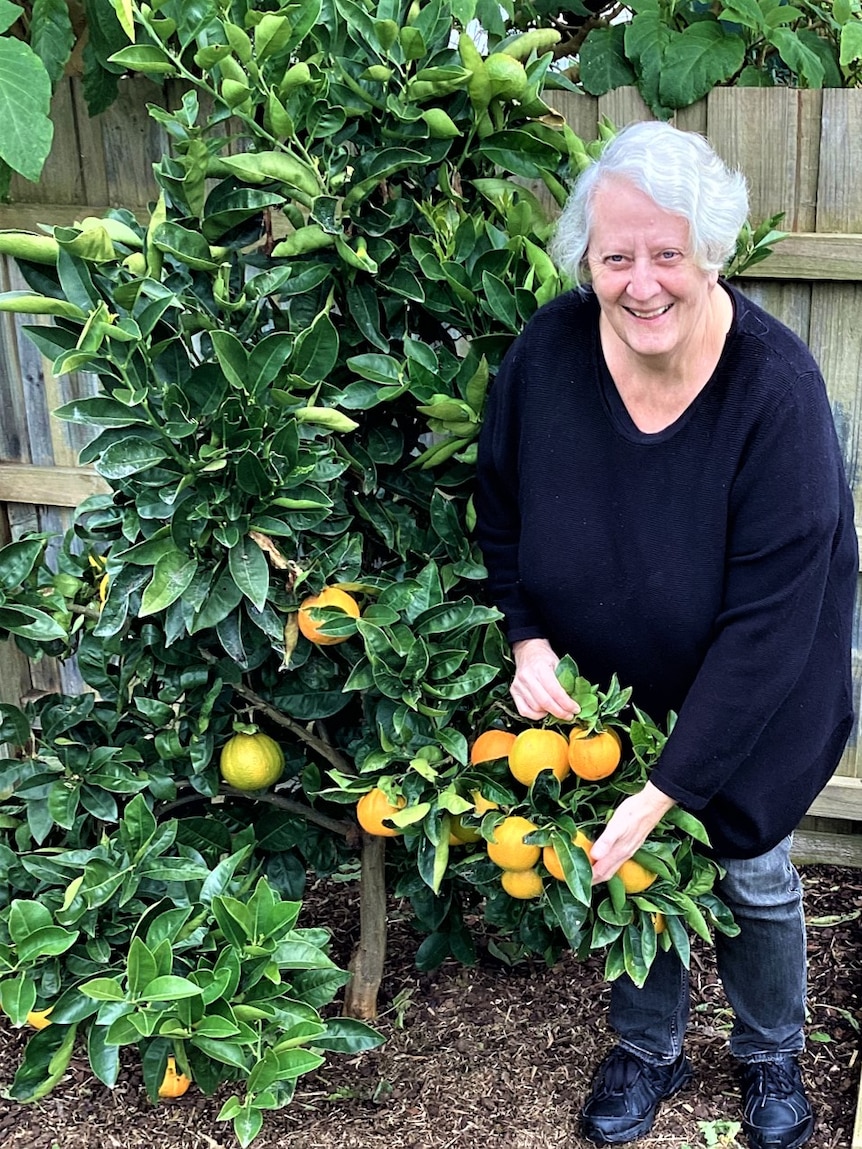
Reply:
x=612, y=401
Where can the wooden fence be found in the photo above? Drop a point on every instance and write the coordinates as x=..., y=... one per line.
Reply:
x=800, y=151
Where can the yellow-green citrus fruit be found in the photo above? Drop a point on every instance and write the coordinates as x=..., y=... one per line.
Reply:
x=329, y=596
x=508, y=849
x=372, y=808
x=251, y=761
x=508, y=77
x=522, y=884
x=461, y=835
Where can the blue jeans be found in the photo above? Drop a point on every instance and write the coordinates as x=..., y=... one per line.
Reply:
x=762, y=969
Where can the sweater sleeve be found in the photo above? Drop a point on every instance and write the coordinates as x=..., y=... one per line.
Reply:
x=788, y=508
x=498, y=518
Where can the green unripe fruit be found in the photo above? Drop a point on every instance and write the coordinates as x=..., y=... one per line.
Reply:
x=440, y=124
x=508, y=77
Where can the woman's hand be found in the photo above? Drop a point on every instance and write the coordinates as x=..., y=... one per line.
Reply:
x=535, y=689
x=628, y=829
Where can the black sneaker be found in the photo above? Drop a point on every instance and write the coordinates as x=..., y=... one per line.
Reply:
x=776, y=1114
x=626, y=1094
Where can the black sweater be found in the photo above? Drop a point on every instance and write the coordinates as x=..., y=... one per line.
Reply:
x=711, y=565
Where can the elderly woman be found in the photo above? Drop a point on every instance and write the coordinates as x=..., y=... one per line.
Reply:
x=661, y=495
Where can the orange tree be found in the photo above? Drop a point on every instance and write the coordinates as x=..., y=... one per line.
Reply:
x=292, y=354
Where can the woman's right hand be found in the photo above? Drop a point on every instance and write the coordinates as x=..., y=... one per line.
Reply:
x=535, y=688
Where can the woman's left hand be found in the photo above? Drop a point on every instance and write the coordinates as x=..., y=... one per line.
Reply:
x=627, y=830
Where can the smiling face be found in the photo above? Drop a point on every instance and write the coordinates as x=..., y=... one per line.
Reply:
x=654, y=298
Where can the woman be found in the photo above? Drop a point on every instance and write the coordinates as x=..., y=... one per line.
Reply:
x=661, y=495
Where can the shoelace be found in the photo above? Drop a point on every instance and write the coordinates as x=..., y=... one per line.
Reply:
x=772, y=1079
x=621, y=1072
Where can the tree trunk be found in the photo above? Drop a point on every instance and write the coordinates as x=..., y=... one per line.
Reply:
x=366, y=965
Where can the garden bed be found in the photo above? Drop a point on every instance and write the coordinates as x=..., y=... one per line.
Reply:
x=483, y=1058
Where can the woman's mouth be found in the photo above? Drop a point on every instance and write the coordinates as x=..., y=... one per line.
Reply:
x=654, y=313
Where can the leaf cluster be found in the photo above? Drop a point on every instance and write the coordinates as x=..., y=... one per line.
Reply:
x=676, y=53
x=142, y=939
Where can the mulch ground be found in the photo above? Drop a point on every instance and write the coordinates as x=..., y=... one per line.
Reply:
x=483, y=1058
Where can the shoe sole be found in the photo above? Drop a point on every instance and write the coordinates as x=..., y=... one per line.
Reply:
x=755, y=1141
x=679, y=1082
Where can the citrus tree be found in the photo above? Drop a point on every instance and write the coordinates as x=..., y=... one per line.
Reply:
x=279, y=603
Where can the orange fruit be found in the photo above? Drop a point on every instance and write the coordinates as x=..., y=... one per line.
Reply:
x=551, y=859
x=490, y=745
x=372, y=808
x=251, y=761
x=508, y=849
x=536, y=750
x=552, y=864
x=522, y=884
x=658, y=921
x=173, y=1084
x=329, y=596
x=635, y=877
x=594, y=755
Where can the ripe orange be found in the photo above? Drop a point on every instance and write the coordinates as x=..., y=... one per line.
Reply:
x=659, y=923
x=372, y=808
x=329, y=596
x=551, y=859
x=490, y=745
x=536, y=750
x=251, y=761
x=635, y=877
x=508, y=849
x=522, y=884
x=173, y=1084
x=594, y=756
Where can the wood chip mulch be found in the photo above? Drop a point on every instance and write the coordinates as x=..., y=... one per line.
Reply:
x=483, y=1058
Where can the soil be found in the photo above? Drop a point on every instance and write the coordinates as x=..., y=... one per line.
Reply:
x=489, y=1057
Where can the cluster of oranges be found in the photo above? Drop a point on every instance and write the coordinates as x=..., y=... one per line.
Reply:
x=589, y=755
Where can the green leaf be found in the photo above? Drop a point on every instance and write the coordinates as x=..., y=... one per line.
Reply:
x=603, y=61
x=46, y=1059
x=17, y=998
x=346, y=1035
x=104, y=1058
x=250, y=571
x=147, y=58
x=169, y=988
x=183, y=244
x=798, y=57
x=52, y=36
x=17, y=560
x=100, y=411
x=172, y=576
x=26, y=131
x=104, y=989
x=128, y=457
x=696, y=60
x=851, y=43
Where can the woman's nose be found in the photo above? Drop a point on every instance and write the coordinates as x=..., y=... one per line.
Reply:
x=642, y=279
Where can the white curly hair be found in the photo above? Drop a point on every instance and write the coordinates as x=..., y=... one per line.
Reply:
x=680, y=172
